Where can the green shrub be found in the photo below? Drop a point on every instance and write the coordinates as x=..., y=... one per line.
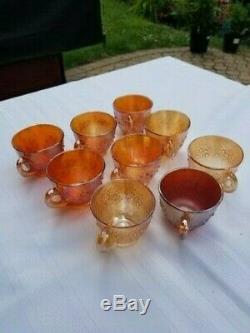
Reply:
x=199, y=14
x=238, y=19
x=149, y=8
x=176, y=13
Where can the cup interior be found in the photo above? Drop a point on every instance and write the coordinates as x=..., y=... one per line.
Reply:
x=167, y=123
x=75, y=167
x=132, y=103
x=136, y=150
x=37, y=138
x=190, y=190
x=93, y=124
x=215, y=152
x=122, y=203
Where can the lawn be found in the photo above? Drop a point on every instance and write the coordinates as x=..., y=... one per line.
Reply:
x=127, y=32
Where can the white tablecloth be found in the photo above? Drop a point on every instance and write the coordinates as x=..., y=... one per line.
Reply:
x=52, y=278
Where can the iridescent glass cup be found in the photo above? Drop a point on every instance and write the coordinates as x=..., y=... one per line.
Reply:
x=95, y=130
x=136, y=156
x=131, y=111
x=76, y=174
x=189, y=198
x=36, y=145
x=219, y=156
x=123, y=209
x=170, y=128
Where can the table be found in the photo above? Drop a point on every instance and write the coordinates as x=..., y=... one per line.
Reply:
x=52, y=276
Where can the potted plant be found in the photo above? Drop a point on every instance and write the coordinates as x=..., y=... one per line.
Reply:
x=234, y=26
x=200, y=15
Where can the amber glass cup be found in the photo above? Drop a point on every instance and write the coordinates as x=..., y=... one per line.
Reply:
x=76, y=174
x=36, y=145
x=95, y=130
x=136, y=156
x=131, y=111
x=189, y=198
x=170, y=128
x=123, y=209
x=219, y=156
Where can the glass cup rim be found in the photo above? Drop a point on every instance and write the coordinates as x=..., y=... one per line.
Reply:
x=40, y=150
x=145, y=220
x=79, y=183
x=209, y=167
x=135, y=165
x=92, y=112
x=132, y=95
x=190, y=211
x=164, y=111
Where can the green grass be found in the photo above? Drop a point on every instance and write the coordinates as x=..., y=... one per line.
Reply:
x=126, y=32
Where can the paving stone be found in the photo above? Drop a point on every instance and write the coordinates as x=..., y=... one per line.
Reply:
x=235, y=66
x=243, y=67
x=244, y=77
x=220, y=67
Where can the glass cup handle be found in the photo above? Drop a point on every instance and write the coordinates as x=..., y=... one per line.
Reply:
x=229, y=182
x=130, y=121
x=169, y=147
x=24, y=167
x=54, y=199
x=183, y=227
x=105, y=241
x=78, y=144
x=115, y=174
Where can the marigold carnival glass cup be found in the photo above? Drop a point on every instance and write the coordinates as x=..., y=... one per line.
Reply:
x=35, y=146
x=123, y=209
x=76, y=174
x=170, y=128
x=136, y=156
x=131, y=111
x=219, y=156
x=95, y=130
x=189, y=197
